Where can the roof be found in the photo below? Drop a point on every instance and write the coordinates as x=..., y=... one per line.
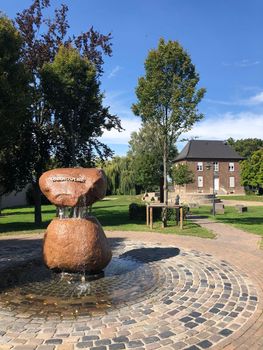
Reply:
x=209, y=150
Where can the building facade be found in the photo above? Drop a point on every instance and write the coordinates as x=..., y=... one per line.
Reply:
x=215, y=166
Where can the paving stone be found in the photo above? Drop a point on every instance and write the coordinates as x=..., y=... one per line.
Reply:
x=134, y=344
x=205, y=344
x=102, y=342
x=166, y=299
x=53, y=341
x=166, y=334
x=90, y=337
x=151, y=339
x=24, y=347
x=84, y=345
x=121, y=339
x=225, y=332
x=117, y=346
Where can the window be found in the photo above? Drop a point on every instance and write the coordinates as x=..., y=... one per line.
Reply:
x=216, y=166
x=200, y=166
x=232, y=181
x=231, y=166
x=200, y=181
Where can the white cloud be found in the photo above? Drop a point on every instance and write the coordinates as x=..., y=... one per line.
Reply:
x=243, y=63
x=257, y=99
x=122, y=138
x=114, y=71
x=251, y=101
x=221, y=127
x=120, y=105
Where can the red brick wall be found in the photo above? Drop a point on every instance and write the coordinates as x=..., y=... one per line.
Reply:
x=223, y=174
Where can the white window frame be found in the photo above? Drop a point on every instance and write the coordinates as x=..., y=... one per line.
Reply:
x=232, y=182
x=216, y=166
x=231, y=166
x=202, y=181
x=199, y=166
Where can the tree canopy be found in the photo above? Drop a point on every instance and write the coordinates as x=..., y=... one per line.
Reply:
x=45, y=127
x=182, y=175
x=252, y=170
x=14, y=107
x=72, y=91
x=120, y=176
x=245, y=147
x=13, y=82
x=147, y=157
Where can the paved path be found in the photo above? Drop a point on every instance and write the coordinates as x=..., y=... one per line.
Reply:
x=186, y=293
x=232, y=203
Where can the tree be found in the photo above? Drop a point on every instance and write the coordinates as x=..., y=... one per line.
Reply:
x=120, y=176
x=245, y=147
x=182, y=175
x=42, y=38
x=146, y=157
x=14, y=104
x=252, y=170
x=72, y=90
x=168, y=97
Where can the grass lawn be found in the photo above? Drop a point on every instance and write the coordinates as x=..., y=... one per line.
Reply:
x=250, y=221
x=250, y=197
x=111, y=212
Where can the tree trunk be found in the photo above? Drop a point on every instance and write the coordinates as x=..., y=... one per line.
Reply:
x=165, y=188
x=161, y=189
x=72, y=141
x=37, y=201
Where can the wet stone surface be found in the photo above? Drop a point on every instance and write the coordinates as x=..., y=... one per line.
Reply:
x=149, y=295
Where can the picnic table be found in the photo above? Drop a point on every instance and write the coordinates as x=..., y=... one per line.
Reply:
x=149, y=212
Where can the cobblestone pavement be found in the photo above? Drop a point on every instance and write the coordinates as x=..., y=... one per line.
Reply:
x=180, y=293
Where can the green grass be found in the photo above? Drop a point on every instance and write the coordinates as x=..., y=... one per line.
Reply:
x=111, y=212
x=250, y=221
x=250, y=197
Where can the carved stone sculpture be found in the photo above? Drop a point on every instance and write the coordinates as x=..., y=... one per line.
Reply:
x=75, y=241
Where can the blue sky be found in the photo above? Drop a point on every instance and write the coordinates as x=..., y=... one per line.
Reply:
x=223, y=38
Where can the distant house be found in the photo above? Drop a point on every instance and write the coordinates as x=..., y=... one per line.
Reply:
x=214, y=164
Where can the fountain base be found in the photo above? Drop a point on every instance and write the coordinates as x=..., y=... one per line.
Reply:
x=76, y=245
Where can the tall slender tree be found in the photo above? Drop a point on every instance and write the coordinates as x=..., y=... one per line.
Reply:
x=168, y=97
x=42, y=38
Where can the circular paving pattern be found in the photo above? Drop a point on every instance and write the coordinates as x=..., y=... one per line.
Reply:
x=183, y=299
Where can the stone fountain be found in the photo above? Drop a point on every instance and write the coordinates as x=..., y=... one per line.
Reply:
x=75, y=240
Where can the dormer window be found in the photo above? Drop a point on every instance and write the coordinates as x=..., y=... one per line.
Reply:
x=200, y=166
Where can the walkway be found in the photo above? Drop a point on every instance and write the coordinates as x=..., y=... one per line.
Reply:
x=187, y=293
x=231, y=203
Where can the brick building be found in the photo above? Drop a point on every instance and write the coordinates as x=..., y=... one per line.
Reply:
x=211, y=162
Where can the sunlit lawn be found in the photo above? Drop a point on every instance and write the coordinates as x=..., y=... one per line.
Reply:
x=250, y=221
x=111, y=212
x=251, y=197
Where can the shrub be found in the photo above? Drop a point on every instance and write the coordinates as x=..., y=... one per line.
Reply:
x=138, y=211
